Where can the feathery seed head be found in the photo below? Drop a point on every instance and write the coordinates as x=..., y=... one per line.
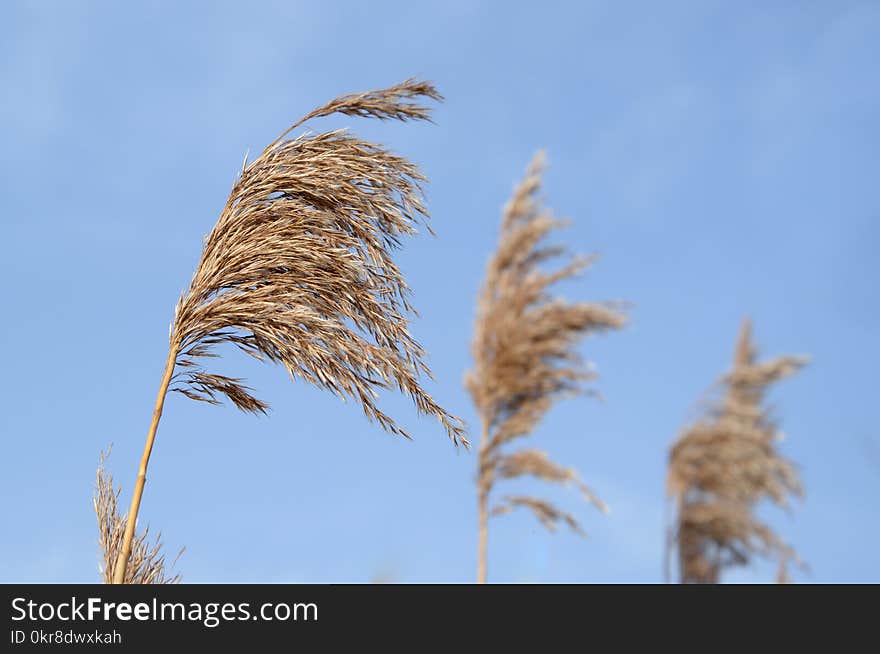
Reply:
x=524, y=347
x=298, y=269
x=726, y=463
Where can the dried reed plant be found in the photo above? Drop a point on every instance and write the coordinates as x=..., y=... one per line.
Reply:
x=147, y=561
x=298, y=271
x=724, y=465
x=525, y=358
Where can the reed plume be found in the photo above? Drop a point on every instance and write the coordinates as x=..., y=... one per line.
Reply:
x=725, y=464
x=298, y=271
x=147, y=561
x=525, y=357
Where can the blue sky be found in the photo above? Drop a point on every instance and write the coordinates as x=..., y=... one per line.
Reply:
x=721, y=157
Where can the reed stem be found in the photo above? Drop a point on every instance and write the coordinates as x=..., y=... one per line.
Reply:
x=131, y=521
x=482, y=501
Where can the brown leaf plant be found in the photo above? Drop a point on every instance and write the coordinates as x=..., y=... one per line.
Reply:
x=724, y=465
x=298, y=271
x=147, y=561
x=525, y=356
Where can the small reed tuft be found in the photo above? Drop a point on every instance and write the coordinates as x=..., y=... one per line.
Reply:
x=147, y=561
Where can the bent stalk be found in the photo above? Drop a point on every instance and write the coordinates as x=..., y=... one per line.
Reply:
x=131, y=520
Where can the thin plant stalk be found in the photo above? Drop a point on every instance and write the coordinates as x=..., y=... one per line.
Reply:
x=483, y=511
x=119, y=570
x=668, y=539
